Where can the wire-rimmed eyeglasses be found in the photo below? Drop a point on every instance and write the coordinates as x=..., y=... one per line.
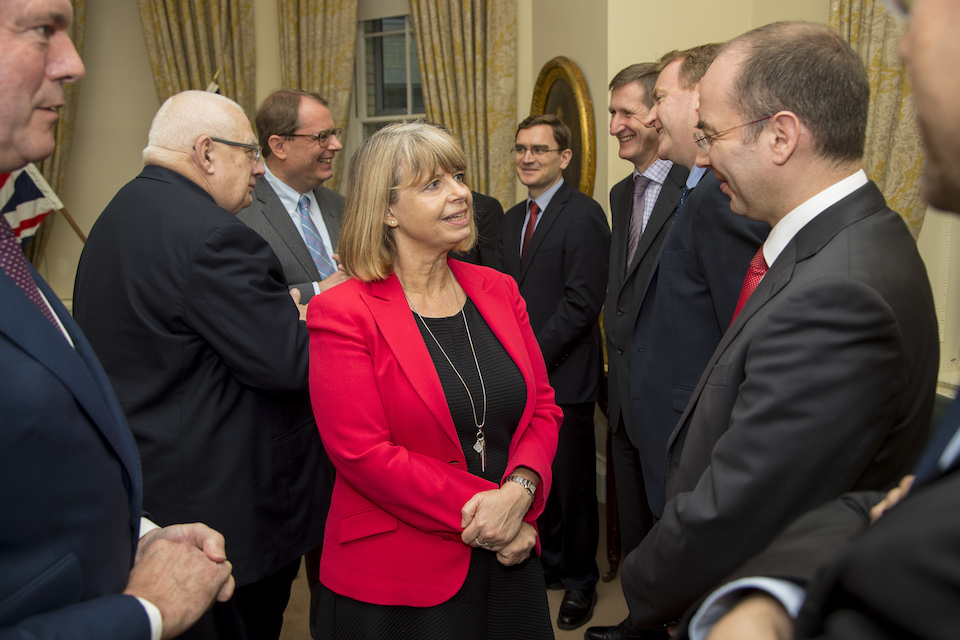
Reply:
x=323, y=138
x=703, y=140
x=538, y=150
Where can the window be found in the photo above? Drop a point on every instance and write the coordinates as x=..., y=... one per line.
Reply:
x=388, y=75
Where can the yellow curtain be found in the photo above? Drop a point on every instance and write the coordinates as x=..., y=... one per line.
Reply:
x=317, y=50
x=467, y=51
x=893, y=157
x=54, y=168
x=189, y=40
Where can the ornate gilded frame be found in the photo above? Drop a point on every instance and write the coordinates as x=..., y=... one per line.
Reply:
x=560, y=87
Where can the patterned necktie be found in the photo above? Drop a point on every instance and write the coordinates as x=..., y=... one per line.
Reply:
x=636, y=219
x=758, y=267
x=531, y=224
x=14, y=265
x=314, y=242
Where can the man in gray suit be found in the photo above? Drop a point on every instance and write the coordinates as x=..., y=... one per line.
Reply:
x=824, y=381
x=291, y=210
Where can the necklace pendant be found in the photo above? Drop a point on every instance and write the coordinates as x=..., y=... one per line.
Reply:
x=481, y=447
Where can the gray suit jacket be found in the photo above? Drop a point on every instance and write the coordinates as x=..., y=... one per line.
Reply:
x=627, y=283
x=266, y=216
x=823, y=384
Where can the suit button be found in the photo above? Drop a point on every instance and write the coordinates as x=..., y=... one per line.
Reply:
x=619, y=351
x=620, y=312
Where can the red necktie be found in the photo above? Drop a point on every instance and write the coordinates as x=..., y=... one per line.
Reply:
x=531, y=223
x=758, y=267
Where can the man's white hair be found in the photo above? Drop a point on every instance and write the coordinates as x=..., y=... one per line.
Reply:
x=183, y=118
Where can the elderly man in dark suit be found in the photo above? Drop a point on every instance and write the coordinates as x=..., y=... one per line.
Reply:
x=556, y=245
x=869, y=565
x=824, y=381
x=76, y=558
x=188, y=310
x=291, y=209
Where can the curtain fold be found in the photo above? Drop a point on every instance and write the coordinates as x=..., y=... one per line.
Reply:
x=54, y=168
x=317, y=51
x=893, y=157
x=467, y=53
x=188, y=41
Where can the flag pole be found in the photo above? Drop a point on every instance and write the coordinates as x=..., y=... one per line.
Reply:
x=73, y=223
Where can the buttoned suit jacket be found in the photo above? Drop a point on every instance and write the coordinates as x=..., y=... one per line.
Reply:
x=393, y=533
x=189, y=312
x=628, y=282
x=563, y=280
x=70, y=479
x=823, y=384
x=267, y=216
x=685, y=309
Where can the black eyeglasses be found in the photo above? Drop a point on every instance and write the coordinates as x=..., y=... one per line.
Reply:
x=703, y=140
x=899, y=8
x=253, y=150
x=322, y=138
x=538, y=150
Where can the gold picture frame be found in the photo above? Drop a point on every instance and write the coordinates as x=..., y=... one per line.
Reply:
x=562, y=90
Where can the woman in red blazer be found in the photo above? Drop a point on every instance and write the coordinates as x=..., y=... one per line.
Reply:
x=432, y=401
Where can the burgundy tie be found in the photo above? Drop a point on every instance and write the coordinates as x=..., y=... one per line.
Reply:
x=758, y=267
x=531, y=223
x=14, y=265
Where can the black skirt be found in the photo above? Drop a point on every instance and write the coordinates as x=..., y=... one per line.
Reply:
x=494, y=603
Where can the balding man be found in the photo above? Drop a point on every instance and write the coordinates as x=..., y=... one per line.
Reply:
x=76, y=558
x=188, y=309
x=824, y=381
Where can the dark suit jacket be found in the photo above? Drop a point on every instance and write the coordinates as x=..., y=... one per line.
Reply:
x=823, y=384
x=189, y=312
x=685, y=309
x=627, y=283
x=71, y=483
x=266, y=216
x=489, y=215
x=394, y=528
x=563, y=280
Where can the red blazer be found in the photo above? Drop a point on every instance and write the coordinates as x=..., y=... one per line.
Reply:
x=393, y=531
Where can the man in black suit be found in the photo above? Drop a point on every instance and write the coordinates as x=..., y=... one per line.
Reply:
x=642, y=207
x=77, y=560
x=869, y=566
x=685, y=305
x=824, y=381
x=488, y=212
x=189, y=312
x=556, y=245
x=291, y=209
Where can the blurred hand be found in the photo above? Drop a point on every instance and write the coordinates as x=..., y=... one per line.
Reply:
x=181, y=569
x=337, y=277
x=893, y=496
x=302, y=308
x=759, y=616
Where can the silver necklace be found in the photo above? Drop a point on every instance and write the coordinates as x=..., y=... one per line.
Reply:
x=480, y=446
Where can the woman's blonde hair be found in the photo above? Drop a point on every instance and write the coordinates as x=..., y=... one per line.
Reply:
x=395, y=157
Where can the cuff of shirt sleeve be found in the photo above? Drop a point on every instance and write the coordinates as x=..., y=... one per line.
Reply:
x=156, y=620
x=146, y=526
x=721, y=601
x=316, y=288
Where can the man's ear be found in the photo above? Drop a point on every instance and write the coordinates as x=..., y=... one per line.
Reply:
x=565, y=157
x=787, y=131
x=203, y=154
x=278, y=146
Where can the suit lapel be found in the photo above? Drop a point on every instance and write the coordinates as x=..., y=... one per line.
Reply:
x=76, y=367
x=548, y=218
x=396, y=323
x=808, y=242
x=621, y=214
x=666, y=204
x=279, y=219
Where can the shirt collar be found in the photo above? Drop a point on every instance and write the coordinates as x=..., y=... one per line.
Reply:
x=543, y=200
x=289, y=197
x=791, y=224
x=656, y=172
x=695, y=174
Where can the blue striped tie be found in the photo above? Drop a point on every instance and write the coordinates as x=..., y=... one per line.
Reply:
x=314, y=242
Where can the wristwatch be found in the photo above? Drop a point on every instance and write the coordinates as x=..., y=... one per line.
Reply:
x=523, y=482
